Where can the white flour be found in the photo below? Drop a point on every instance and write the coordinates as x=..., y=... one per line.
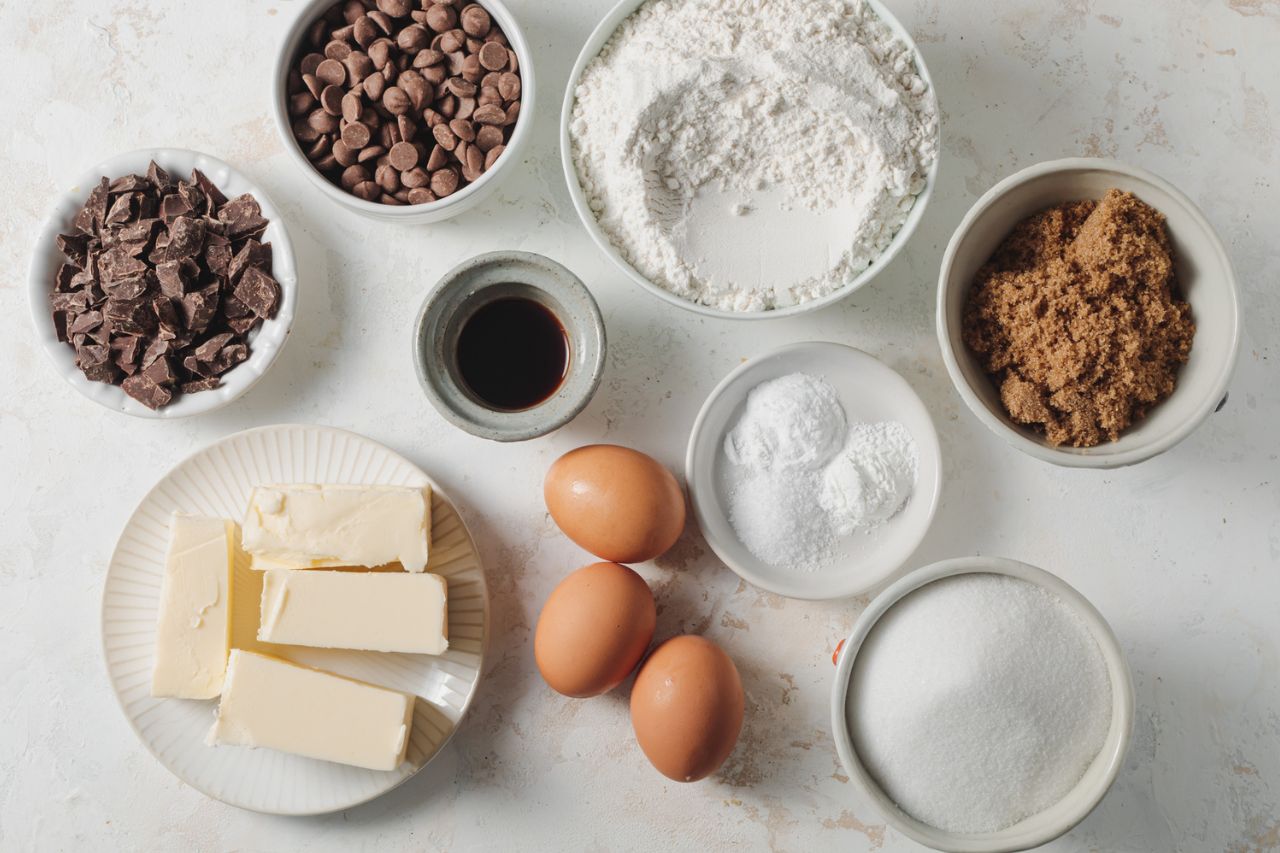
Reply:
x=804, y=476
x=752, y=154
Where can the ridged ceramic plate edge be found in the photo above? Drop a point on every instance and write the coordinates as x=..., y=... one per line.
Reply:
x=216, y=481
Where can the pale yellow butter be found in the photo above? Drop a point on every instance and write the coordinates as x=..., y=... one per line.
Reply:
x=371, y=611
x=270, y=702
x=305, y=526
x=193, y=630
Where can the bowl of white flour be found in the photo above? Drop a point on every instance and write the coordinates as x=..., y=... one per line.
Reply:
x=750, y=159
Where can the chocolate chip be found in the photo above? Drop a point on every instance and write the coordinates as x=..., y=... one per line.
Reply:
x=403, y=156
x=475, y=21
x=490, y=114
x=444, y=182
x=396, y=101
x=493, y=56
x=492, y=157
x=509, y=86
x=488, y=137
x=356, y=135
x=394, y=8
x=331, y=72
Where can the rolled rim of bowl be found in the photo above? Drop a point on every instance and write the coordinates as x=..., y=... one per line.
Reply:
x=520, y=428
x=1013, y=838
x=284, y=269
x=289, y=45
x=949, y=338
x=602, y=32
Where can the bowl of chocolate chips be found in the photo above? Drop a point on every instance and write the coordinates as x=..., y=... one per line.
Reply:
x=163, y=284
x=404, y=110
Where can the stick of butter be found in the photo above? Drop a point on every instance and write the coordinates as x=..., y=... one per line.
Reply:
x=271, y=702
x=371, y=611
x=307, y=526
x=193, y=631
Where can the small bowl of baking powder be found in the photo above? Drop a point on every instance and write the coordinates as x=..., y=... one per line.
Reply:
x=747, y=166
x=814, y=471
x=982, y=705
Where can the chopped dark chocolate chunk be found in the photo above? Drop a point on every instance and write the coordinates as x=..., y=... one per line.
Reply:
x=173, y=282
x=200, y=385
x=209, y=350
x=198, y=309
x=163, y=284
x=75, y=247
x=186, y=237
x=259, y=292
x=147, y=392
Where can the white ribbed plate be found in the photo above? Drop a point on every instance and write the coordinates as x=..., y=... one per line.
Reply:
x=216, y=481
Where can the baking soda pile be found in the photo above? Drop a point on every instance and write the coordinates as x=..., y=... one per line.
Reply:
x=804, y=476
x=977, y=701
x=706, y=128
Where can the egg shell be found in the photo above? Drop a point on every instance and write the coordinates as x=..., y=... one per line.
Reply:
x=615, y=502
x=686, y=707
x=594, y=629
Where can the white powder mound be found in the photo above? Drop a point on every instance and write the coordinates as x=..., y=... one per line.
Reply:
x=978, y=701
x=705, y=130
x=871, y=478
x=803, y=476
x=795, y=421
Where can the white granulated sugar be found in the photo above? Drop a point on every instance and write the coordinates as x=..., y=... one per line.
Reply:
x=705, y=129
x=802, y=476
x=977, y=701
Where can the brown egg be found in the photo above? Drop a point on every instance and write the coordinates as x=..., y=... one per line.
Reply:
x=594, y=629
x=686, y=707
x=616, y=502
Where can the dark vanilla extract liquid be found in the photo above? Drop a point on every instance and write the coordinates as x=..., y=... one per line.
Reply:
x=513, y=353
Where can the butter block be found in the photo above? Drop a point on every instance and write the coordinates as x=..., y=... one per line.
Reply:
x=270, y=702
x=371, y=611
x=308, y=526
x=193, y=631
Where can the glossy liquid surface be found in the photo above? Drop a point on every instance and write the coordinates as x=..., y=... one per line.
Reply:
x=513, y=353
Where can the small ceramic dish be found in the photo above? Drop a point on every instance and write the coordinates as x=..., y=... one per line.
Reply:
x=264, y=344
x=599, y=37
x=1204, y=278
x=449, y=206
x=1032, y=831
x=481, y=280
x=869, y=391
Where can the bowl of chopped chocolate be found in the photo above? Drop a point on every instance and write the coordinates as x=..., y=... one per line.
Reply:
x=163, y=284
x=1088, y=313
x=404, y=110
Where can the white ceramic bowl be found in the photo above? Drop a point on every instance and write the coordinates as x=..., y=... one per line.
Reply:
x=449, y=206
x=1037, y=829
x=869, y=391
x=600, y=35
x=1205, y=280
x=264, y=344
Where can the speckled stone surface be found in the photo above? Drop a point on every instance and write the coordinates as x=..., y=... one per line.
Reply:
x=1180, y=553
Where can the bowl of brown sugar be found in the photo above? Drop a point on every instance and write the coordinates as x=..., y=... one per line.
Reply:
x=1088, y=313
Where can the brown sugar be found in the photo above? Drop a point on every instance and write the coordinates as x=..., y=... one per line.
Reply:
x=1075, y=319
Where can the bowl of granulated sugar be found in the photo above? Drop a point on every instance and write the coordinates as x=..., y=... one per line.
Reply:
x=982, y=705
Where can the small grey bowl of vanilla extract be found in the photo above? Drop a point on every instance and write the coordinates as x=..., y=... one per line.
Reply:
x=509, y=346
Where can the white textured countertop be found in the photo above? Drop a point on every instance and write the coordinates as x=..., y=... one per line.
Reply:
x=1181, y=554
